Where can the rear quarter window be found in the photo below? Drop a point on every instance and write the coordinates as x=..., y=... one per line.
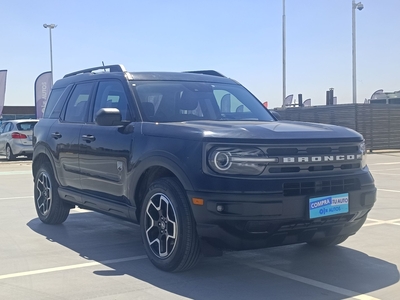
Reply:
x=56, y=102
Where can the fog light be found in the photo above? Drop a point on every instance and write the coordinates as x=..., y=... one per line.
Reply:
x=220, y=208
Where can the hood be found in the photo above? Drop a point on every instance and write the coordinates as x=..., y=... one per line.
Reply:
x=252, y=131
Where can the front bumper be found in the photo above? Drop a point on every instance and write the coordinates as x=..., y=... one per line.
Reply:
x=250, y=221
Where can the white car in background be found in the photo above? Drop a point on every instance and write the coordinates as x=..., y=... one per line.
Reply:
x=16, y=138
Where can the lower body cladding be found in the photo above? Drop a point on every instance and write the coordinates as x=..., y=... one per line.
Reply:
x=250, y=221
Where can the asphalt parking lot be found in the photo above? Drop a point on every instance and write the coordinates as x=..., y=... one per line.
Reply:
x=92, y=256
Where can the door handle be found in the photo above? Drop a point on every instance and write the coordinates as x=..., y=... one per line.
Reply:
x=88, y=138
x=56, y=135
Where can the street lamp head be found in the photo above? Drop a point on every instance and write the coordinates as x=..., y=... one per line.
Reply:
x=360, y=6
x=51, y=26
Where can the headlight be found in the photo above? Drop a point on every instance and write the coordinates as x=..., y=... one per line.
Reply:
x=363, y=150
x=238, y=161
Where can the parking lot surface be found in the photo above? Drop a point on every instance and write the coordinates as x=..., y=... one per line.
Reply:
x=92, y=256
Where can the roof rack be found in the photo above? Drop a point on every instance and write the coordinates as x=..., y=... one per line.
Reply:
x=207, y=72
x=111, y=69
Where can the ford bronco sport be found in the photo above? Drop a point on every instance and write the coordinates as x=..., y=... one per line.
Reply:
x=198, y=162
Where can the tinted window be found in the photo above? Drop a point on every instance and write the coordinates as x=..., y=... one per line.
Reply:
x=7, y=128
x=26, y=125
x=394, y=101
x=78, y=102
x=54, y=96
x=184, y=101
x=112, y=94
x=56, y=102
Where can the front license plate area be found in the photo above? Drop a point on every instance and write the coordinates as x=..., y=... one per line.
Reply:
x=328, y=206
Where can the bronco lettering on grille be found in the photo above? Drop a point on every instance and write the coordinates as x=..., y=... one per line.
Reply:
x=325, y=158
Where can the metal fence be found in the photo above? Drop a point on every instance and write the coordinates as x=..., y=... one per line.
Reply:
x=378, y=123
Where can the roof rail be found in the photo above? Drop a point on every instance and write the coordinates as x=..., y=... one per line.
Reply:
x=207, y=72
x=111, y=69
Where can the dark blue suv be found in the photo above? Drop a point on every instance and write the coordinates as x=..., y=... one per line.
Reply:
x=198, y=162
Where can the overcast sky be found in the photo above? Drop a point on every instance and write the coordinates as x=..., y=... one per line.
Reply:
x=241, y=39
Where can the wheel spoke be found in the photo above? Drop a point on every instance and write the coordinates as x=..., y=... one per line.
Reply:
x=44, y=197
x=161, y=226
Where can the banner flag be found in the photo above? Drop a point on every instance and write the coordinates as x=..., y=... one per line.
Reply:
x=288, y=100
x=3, y=77
x=376, y=94
x=43, y=85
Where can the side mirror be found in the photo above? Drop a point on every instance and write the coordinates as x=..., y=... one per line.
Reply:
x=108, y=117
x=276, y=114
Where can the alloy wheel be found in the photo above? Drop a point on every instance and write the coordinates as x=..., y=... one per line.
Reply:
x=161, y=225
x=44, y=195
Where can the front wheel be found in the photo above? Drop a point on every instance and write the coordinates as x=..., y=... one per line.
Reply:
x=50, y=208
x=168, y=227
x=328, y=242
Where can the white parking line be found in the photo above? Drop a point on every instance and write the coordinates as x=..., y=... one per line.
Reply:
x=315, y=283
x=22, y=197
x=387, y=174
x=391, y=191
x=380, y=222
x=71, y=267
x=391, y=163
x=16, y=173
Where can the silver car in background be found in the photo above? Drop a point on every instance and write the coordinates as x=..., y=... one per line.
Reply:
x=16, y=138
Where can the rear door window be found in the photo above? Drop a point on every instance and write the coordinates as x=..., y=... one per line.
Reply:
x=78, y=103
x=7, y=128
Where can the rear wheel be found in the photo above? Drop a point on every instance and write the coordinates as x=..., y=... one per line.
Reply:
x=50, y=208
x=328, y=242
x=168, y=227
x=9, y=154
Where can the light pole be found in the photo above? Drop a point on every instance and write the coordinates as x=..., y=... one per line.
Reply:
x=284, y=52
x=360, y=7
x=50, y=27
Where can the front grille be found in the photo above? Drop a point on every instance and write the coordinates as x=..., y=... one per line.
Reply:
x=282, y=151
x=313, y=158
x=276, y=170
x=320, y=187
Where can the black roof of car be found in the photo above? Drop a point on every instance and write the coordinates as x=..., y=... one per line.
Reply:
x=87, y=74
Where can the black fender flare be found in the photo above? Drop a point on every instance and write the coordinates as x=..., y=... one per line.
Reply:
x=39, y=149
x=158, y=160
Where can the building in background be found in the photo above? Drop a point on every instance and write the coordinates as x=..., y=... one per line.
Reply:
x=18, y=112
x=381, y=97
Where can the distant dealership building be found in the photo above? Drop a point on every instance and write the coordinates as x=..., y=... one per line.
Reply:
x=18, y=112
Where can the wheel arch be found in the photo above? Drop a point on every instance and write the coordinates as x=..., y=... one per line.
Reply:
x=151, y=169
x=40, y=155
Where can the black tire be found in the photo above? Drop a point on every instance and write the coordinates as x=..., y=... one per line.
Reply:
x=50, y=208
x=328, y=242
x=9, y=154
x=168, y=228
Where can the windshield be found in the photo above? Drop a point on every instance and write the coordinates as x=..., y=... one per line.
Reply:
x=184, y=101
